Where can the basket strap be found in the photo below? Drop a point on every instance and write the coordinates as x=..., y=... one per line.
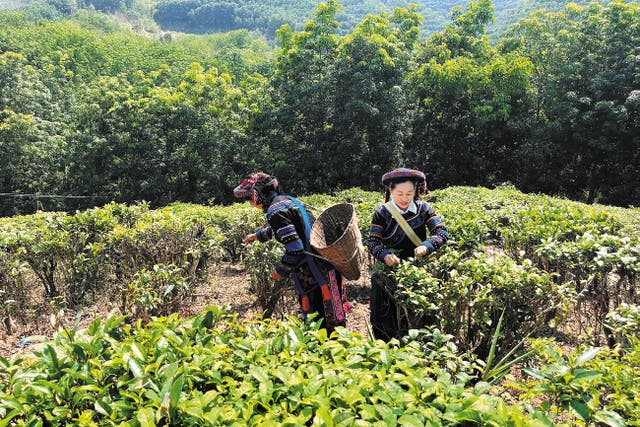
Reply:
x=305, y=218
x=403, y=223
x=330, y=295
x=307, y=230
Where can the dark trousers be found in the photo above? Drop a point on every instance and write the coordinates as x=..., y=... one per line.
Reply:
x=314, y=293
x=384, y=312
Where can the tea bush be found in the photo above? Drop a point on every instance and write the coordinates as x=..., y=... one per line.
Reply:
x=588, y=386
x=234, y=223
x=465, y=295
x=41, y=242
x=528, y=259
x=270, y=294
x=210, y=370
x=156, y=292
x=13, y=289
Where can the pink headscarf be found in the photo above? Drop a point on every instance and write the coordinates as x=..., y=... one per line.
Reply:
x=257, y=187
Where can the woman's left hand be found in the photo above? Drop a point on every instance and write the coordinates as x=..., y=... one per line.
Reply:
x=250, y=238
x=420, y=251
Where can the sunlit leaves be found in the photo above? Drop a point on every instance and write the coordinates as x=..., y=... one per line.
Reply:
x=226, y=373
x=582, y=80
x=210, y=369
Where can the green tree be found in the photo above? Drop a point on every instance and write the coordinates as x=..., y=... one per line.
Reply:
x=343, y=100
x=467, y=94
x=304, y=89
x=32, y=129
x=372, y=109
x=158, y=142
x=586, y=89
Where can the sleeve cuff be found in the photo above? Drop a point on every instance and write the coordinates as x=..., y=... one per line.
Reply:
x=281, y=270
x=262, y=235
x=429, y=245
x=383, y=254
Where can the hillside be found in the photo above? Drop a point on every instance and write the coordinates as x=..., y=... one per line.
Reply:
x=13, y=4
x=265, y=17
x=550, y=284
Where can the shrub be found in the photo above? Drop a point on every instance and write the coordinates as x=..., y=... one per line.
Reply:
x=272, y=295
x=588, y=386
x=465, y=296
x=210, y=370
x=157, y=292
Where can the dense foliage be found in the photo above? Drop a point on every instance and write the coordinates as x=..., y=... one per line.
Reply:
x=93, y=115
x=211, y=370
x=517, y=267
x=89, y=109
x=587, y=82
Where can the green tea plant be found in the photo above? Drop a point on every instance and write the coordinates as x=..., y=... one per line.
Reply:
x=156, y=292
x=574, y=390
x=590, y=252
x=178, y=234
x=465, y=296
x=315, y=203
x=67, y=253
x=468, y=227
x=620, y=366
x=603, y=270
x=85, y=268
x=515, y=262
x=42, y=242
x=441, y=353
x=271, y=295
x=211, y=370
x=544, y=218
x=234, y=223
x=13, y=288
x=625, y=320
x=126, y=215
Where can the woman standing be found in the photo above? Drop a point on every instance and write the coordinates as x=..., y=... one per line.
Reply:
x=403, y=227
x=318, y=284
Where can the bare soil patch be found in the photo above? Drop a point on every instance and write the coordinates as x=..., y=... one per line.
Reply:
x=227, y=285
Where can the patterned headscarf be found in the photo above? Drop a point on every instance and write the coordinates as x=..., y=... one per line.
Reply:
x=257, y=187
x=404, y=174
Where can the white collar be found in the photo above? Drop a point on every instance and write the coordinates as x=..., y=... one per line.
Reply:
x=412, y=207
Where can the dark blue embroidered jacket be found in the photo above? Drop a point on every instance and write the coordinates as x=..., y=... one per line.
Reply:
x=287, y=226
x=386, y=234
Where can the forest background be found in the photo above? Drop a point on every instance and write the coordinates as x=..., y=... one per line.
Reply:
x=113, y=101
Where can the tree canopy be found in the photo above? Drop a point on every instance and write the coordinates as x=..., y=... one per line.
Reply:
x=89, y=108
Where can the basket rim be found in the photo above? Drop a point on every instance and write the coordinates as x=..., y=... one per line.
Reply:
x=353, y=219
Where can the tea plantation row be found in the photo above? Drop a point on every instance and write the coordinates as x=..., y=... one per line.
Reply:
x=518, y=268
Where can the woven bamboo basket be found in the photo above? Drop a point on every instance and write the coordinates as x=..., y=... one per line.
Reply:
x=335, y=236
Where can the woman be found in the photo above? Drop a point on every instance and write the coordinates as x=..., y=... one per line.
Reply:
x=391, y=243
x=318, y=284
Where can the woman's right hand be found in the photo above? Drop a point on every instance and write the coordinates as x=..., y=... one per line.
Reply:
x=250, y=238
x=391, y=260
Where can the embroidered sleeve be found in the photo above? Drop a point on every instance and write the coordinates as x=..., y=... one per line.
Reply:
x=285, y=232
x=438, y=233
x=374, y=243
x=264, y=234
